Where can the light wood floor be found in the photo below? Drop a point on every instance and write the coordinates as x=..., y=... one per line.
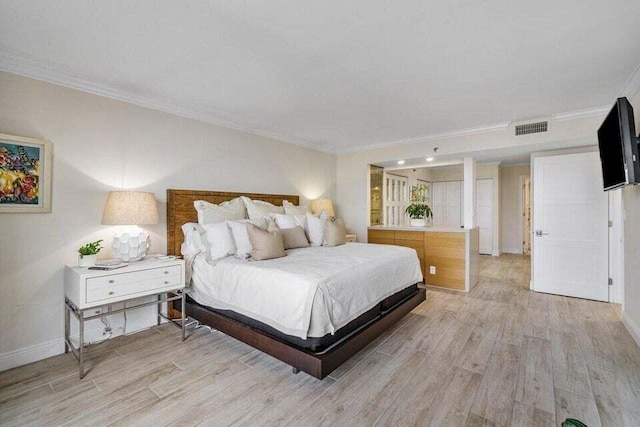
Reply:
x=502, y=355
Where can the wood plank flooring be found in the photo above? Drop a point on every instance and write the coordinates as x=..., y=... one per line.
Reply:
x=501, y=355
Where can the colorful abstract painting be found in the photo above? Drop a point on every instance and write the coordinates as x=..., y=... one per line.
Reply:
x=22, y=181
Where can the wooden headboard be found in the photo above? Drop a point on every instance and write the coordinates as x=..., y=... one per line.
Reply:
x=180, y=209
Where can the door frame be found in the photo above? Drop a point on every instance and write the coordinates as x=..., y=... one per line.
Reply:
x=615, y=211
x=521, y=211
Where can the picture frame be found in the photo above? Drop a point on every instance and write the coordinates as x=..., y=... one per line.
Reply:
x=25, y=174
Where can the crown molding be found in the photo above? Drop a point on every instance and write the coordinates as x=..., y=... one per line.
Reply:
x=427, y=138
x=21, y=64
x=582, y=114
x=632, y=85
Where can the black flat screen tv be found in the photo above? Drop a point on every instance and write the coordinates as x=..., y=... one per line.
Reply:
x=619, y=147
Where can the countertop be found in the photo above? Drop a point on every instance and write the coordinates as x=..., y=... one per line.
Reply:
x=427, y=229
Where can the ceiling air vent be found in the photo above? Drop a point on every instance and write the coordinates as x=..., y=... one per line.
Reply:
x=529, y=128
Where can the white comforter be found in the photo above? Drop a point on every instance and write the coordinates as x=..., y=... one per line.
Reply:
x=343, y=282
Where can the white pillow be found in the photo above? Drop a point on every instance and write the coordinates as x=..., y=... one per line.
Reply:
x=315, y=228
x=290, y=221
x=241, y=237
x=291, y=209
x=258, y=209
x=194, y=240
x=209, y=213
x=220, y=240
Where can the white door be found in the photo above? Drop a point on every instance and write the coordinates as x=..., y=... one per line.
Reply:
x=395, y=196
x=484, y=214
x=453, y=204
x=439, y=190
x=570, y=227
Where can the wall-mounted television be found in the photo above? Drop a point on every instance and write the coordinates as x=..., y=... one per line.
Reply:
x=618, y=145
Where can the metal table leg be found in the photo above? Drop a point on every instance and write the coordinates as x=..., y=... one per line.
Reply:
x=159, y=308
x=81, y=340
x=67, y=327
x=184, y=318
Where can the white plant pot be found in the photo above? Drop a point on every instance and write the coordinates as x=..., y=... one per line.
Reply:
x=418, y=222
x=87, y=260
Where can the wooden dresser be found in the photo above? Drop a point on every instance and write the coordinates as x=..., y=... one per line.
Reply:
x=448, y=257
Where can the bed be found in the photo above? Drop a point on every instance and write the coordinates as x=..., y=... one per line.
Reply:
x=306, y=309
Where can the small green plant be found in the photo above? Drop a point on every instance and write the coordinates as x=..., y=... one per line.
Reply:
x=419, y=209
x=90, y=248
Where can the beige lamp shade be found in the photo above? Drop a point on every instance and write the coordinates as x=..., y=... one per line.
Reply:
x=319, y=205
x=130, y=208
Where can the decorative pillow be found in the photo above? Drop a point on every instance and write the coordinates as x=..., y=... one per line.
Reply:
x=315, y=228
x=291, y=209
x=240, y=236
x=335, y=233
x=289, y=221
x=209, y=213
x=194, y=240
x=220, y=240
x=294, y=238
x=265, y=244
x=258, y=209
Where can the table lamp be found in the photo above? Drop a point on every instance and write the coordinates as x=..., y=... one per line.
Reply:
x=132, y=208
x=319, y=205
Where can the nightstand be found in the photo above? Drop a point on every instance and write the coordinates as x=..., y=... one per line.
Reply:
x=86, y=289
x=351, y=238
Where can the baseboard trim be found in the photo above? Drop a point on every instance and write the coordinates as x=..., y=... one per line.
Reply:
x=516, y=251
x=31, y=354
x=631, y=326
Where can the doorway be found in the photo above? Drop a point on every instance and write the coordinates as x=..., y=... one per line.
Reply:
x=526, y=214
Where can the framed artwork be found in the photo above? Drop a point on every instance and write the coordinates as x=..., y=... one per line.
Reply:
x=25, y=174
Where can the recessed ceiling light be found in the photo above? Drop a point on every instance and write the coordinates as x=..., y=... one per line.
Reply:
x=429, y=159
x=401, y=162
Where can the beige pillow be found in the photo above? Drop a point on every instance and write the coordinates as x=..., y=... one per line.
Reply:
x=294, y=238
x=209, y=213
x=265, y=244
x=335, y=232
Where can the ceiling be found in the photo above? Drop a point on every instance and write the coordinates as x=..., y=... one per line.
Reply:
x=335, y=75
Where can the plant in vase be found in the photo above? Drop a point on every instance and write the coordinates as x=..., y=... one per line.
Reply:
x=419, y=210
x=88, y=254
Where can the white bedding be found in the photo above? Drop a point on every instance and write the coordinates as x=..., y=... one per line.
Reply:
x=310, y=292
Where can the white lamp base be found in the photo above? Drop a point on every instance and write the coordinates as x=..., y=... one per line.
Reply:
x=130, y=246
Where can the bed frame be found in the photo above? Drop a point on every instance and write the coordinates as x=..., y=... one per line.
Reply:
x=180, y=210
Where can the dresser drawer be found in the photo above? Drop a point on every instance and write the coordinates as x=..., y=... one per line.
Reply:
x=130, y=288
x=117, y=279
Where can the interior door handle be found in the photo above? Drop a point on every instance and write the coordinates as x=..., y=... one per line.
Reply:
x=541, y=233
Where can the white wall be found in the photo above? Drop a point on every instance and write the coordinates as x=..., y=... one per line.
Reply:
x=631, y=203
x=98, y=145
x=510, y=205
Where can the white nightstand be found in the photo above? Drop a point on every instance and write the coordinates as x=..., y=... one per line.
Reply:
x=86, y=289
x=351, y=238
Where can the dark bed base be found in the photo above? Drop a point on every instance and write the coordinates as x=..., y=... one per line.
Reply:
x=317, y=364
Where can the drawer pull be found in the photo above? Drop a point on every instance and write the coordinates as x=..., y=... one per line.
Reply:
x=111, y=292
x=111, y=281
x=166, y=282
x=166, y=272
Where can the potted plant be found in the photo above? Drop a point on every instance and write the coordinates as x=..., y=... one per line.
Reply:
x=419, y=210
x=88, y=254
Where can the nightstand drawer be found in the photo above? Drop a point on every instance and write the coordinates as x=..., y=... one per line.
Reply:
x=116, y=279
x=130, y=288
